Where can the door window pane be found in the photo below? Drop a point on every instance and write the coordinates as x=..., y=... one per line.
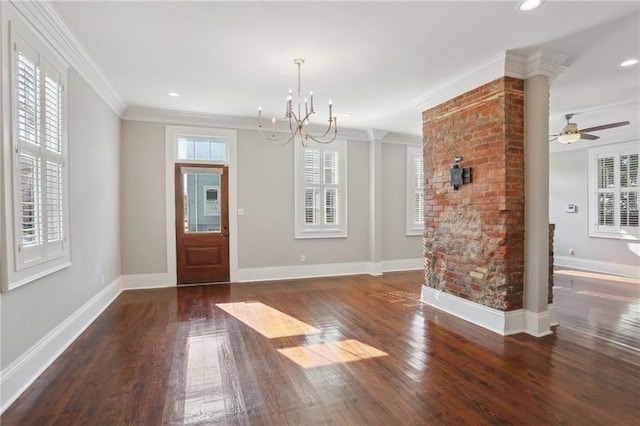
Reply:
x=201, y=202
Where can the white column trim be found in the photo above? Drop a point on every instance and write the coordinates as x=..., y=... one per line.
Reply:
x=375, y=200
x=500, y=322
x=536, y=195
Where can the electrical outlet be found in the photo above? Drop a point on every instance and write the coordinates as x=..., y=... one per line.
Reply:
x=303, y=258
x=102, y=279
x=572, y=252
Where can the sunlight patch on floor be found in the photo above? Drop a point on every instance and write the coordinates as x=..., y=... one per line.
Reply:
x=597, y=276
x=267, y=321
x=329, y=353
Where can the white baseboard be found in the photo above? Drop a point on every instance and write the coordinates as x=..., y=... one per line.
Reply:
x=403, y=264
x=326, y=270
x=621, y=269
x=302, y=271
x=504, y=323
x=22, y=372
x=553, y=314
x=142, y=281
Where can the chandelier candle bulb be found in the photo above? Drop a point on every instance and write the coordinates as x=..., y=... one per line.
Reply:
x=298, y=119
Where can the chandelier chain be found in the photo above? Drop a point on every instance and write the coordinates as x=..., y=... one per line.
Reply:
x=298, y=124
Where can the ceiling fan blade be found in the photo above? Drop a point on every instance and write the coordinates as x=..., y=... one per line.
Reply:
x=604, y=126
x=553, y=138
x=589, y=137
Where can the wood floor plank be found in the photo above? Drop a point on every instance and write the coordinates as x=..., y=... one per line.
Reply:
x=340, y=351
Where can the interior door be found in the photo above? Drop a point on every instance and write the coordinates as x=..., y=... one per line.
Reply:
x=202, y=223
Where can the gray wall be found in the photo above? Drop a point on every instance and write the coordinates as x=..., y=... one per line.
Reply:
x=143, y=198
x=568, y=184
x=395, y=243
x=31, y=311
x=265, y=192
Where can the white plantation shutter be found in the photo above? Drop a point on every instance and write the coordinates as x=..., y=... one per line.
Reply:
x=629, y=190
x=331, y=188
x=418, y=190
x=321, y=190
x=606, y=198
x=614, y=188
x=312, y=206
x=415, y=191
x=40, y=158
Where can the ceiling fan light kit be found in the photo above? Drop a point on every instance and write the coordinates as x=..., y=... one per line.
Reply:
x=571, y=134
x=569, y=138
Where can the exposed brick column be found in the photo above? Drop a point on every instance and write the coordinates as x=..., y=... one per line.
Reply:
x=474, y=237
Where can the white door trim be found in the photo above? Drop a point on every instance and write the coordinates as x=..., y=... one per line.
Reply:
x=170, y=158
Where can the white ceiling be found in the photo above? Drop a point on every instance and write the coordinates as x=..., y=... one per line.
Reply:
x=370, y=58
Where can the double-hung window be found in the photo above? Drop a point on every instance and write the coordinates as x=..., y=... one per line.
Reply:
x=613, y=191
x=321, y=190
x=415, y=191
x=36, y=191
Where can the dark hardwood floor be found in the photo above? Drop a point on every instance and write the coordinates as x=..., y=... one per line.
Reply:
x=356, y=350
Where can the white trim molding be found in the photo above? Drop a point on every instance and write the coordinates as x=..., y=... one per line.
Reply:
x=230, y=136
x=22, y=372
x=403, y=264
x=46, y=20
x=503, y=323
x=186, y=118
x=507, y=63
x=327, y=270
x=144, y=281
x=620, y=269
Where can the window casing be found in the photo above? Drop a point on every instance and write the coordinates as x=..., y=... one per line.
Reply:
x=614, y=191
x=415, y=191
x=321, y=190
x=36, y=190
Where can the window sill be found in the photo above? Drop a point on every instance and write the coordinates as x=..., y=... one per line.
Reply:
x=614, y=236
x=36, y=276
x=319, y=235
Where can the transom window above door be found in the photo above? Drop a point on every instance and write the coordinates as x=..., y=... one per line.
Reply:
x=198, y=148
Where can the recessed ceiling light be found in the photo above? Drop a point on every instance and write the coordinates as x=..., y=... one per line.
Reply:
x=529, y=5
x=346, y=114
x=629, y=62
x=173, y=94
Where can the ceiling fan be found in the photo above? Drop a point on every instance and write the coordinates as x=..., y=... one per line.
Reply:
x=571, y=134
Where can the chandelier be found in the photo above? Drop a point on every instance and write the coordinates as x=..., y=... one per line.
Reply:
x=298, y=123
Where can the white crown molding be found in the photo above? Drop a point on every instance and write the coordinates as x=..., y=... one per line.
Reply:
x=46, y=20
x=183, y=118
x=508, y=63
x=545, y=62
x=402, y=139
x=376, y=134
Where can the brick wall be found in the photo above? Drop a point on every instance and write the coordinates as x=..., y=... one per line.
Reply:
x=474, y=237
